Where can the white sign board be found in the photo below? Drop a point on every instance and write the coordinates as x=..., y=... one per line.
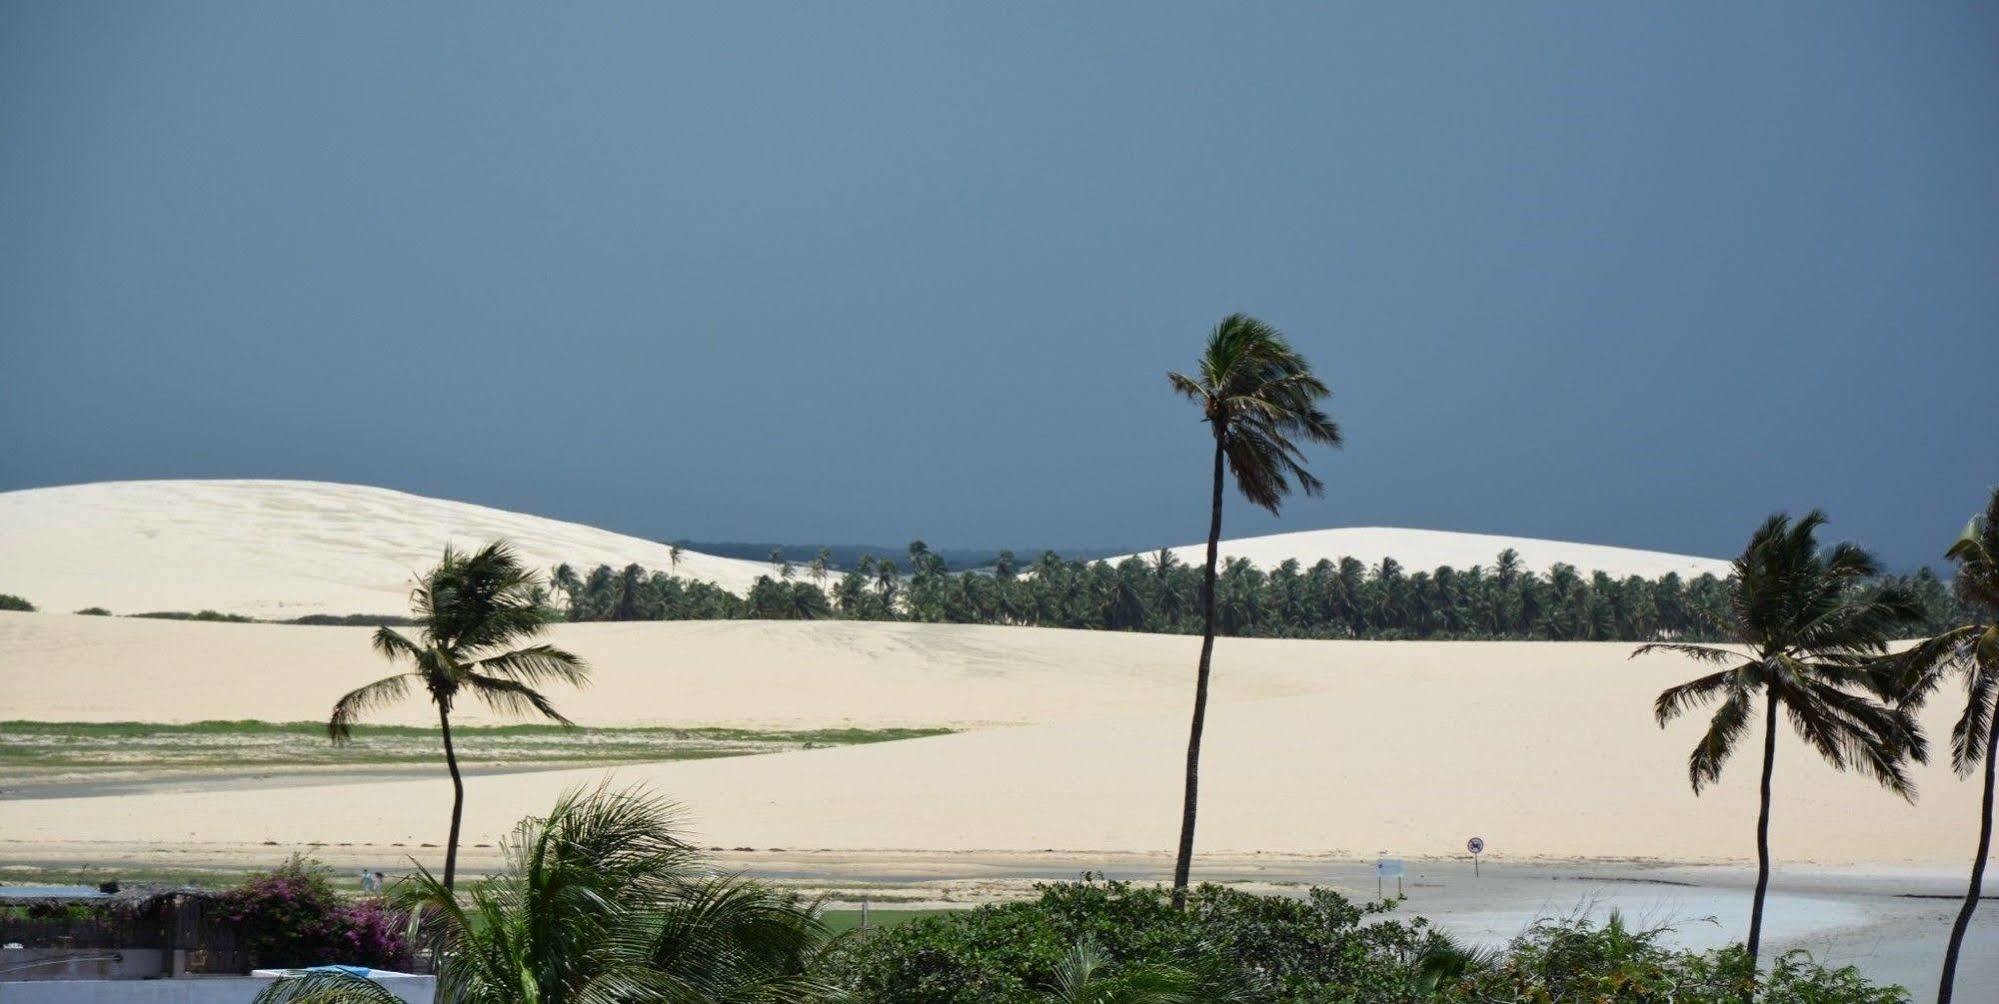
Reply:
x=1388, y=868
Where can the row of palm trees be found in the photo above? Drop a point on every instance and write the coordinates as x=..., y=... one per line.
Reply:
x=1160, y=594
x=1805, y=630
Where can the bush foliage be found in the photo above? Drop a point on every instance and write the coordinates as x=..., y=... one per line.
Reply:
x=291, y=917
x=1322, y=949
x=8, y=601
x=1242, y=946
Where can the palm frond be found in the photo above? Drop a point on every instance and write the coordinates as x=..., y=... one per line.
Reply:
x=1730, y=721
x=1187, y=387
x=1083, y=977
x=537, y=664
x=1910, y=676
x=1850, y=731
x=326, y=988
x=511, y=697
x=726, y=931
x=1695, y=693
x=1704, y=653
x=357, y=702
x=1971, y=734
x=392, y=645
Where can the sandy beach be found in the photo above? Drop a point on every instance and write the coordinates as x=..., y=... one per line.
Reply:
x=1547, y=750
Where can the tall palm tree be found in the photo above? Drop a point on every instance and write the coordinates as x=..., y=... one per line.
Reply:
x=673, y=552
x=470, y=610
x=1802, y=627
x=1973, y=650
x=602, y=902
x=1256, y=394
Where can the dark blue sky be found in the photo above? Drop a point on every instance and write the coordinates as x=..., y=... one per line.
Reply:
x=1631, y=274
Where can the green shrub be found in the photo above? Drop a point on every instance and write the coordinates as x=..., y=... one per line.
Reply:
x=1322, y=949
x=205, y=615
x=1241, y=946
x=94, y=612
x=8, y=601
x=1574, y=960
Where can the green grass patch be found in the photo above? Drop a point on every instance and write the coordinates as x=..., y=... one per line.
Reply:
x=247, y=726
x=45, y=750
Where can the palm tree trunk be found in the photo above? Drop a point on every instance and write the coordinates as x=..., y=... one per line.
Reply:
x=457, y=797
x=1977, y=872
x=1763, y=831
x=1184, y=861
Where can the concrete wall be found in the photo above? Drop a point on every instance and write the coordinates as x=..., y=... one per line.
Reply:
x=185, y=990
x=80, y=963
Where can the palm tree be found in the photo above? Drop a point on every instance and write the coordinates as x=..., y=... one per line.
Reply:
x=1802, y=629
x=821, y=563
x=565, y=580
x=470, y=610
x=886, y=578
x=1973, y=650
x=601, y=902
x=1255, y=393
x=630, y=605
x=673, y=552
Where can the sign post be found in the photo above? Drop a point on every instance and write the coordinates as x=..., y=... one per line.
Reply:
x=1388, y=868
x=1476, y=846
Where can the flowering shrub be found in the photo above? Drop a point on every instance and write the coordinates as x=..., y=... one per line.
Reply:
x=291, y=917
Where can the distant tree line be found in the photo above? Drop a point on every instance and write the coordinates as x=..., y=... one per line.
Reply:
x=1159, y=593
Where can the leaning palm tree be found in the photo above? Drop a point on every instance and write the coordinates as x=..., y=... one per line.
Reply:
x=1802, y=627
x=1973, y=650
x=470, y=609
x=602, y=902
x=1256, y=394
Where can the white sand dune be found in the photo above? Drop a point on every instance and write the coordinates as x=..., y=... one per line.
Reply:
x=1425, y=550
x=278, y=548
x=1546, y=750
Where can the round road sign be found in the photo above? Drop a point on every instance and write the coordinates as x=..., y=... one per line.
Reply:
x=1475, y=845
